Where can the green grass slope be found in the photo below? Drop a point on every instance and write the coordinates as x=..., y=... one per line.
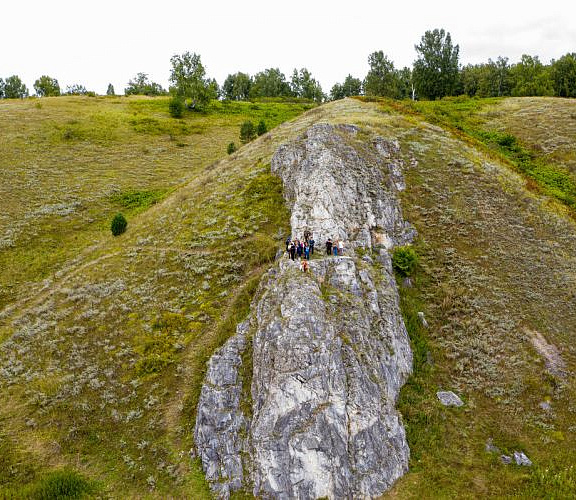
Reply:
x=67, y=164
x=102, y=361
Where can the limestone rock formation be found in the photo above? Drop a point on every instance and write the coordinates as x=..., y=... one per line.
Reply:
x=329, y=348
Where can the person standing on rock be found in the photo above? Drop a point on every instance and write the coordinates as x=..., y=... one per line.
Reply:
x=307, y=235
x=288, y=241
x=340, y=247
x=306, y=251
x=335, y=247
x=329, y=246
x=311, y=243
x=292, y=250
x=299, y=248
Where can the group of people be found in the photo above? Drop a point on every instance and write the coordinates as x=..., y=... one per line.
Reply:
x=301, y=248
x=304, y=248
x=334, y=247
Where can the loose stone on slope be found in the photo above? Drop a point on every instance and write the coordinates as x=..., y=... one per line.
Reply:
x=448, y=398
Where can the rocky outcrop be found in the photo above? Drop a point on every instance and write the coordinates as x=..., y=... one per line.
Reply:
x=329, y=348
x=343, y=187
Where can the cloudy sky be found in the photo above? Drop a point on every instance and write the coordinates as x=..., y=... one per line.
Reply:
x=94, y=43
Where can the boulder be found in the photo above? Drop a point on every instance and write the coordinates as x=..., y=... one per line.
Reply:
x=448, y=398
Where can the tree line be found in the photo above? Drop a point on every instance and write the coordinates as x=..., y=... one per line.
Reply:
x=436, y=73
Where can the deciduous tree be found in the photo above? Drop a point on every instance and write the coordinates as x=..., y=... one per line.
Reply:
x=531, y=78
x=46, y=86
x=237, y=87
x=563, y=73
x=189, y=81
x=76, y=89
x=142, y=85
x=351, y=86
x=304, y=85
x=270, y=83
x=110, y=90
x=381, y=79
x=435, y=71
x=14, y=88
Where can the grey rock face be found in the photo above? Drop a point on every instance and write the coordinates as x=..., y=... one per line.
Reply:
x=448, y=398
x=330, y=350
x=219, y=421
x=341, y=188
x=327, y=371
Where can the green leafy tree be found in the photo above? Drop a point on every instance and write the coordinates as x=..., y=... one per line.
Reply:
x=270, y=83
x=247, y=132
x=176, y=107
x=110, y=90
x=405, y=82
x=1, y=88
x=381, y=79
x=563, y=74
x=304, y=85
x=531, y=78
x=490, y=79
x=142, y=85
x=188, y=79
x=237, y=87
x=261, y=129
x=46, y=86
x=499, y=76
x=118, y=225
x=435, y=71
x=336, y=92
x=470, y=79
x=14, y=88
x=76, y=89
x=351, y=86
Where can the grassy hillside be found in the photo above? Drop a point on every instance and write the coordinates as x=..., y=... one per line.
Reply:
x=67, y=164
x=99, y=327
x=102, y=363
x=533, y=136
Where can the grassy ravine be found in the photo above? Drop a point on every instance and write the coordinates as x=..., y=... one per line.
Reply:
x=471, y=120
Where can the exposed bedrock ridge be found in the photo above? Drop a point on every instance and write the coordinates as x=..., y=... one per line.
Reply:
x=329, y=348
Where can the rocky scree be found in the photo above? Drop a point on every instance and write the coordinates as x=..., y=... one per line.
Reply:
x=329, y=348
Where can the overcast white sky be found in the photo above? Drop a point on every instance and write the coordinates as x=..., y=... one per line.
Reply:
x=94, y=43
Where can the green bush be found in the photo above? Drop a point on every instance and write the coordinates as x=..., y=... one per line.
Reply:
x=139, y=200
x=231, y=148
x=118, y=225
x=60, y=484
x=404, y=260
x=176, y=107
x=247, y=132
x=261, y=129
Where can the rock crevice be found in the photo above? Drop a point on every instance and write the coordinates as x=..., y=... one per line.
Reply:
x=330, y=350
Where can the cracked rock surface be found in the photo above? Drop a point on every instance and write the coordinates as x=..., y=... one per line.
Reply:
x=329, y=348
